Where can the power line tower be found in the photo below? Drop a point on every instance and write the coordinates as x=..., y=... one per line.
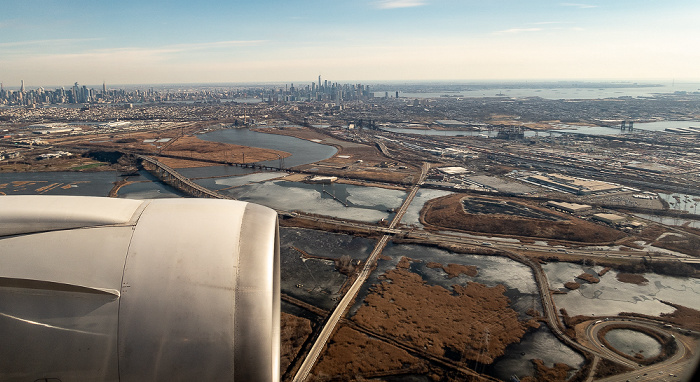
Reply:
x=281, y=162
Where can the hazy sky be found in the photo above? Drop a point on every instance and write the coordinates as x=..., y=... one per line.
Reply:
x=129, y=42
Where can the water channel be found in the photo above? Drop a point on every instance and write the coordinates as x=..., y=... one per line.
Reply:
x=320, y=282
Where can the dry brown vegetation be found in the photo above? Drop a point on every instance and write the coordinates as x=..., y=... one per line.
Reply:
x=684, y=243
x=294, y=332
x=74, y=163
x=588, y=277
x=573, y=285
x=445, y=324
x=454, y=270
x=354, y=354
x=187, y=146
x=195, y=148
x=683, y=316
x=558, y=373
x=607, y=368
x=632, y=278
x=447, y=212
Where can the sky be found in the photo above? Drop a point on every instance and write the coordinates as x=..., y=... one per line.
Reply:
x=53, y=42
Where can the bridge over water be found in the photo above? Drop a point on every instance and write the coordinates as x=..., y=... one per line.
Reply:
x=177, y=180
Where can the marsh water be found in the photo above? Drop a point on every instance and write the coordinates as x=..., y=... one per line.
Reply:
x=632, y=342
x=520, y=289
x=344, y=201
x=611, y=296
x=58, y=183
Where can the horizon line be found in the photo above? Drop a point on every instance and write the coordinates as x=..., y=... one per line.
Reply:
x=646, y=82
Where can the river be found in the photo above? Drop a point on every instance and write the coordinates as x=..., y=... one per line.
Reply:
x=548, y=91
x=641, y=127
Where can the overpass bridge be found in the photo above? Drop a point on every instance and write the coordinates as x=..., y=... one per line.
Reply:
x=173, y=178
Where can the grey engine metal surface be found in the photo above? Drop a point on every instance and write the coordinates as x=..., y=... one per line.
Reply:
x=129, y=290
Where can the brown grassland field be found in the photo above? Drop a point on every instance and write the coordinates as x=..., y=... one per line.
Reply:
x=443, y=322
x=448, y=212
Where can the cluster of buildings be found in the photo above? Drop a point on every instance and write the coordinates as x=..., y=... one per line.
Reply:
x=74, y=95
x=322, y=91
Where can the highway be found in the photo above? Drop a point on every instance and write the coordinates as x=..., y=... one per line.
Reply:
x=667, y=370
x=661, y=371
x=349, y=297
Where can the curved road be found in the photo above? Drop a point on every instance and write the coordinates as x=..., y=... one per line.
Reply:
x=674, y=365
x=666, y=370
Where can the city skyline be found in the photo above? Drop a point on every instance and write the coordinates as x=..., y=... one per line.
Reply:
x=57, y=43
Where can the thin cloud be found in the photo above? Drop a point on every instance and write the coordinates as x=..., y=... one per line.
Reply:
x=45, y=42
x=216, y=44
x=128, y=50
x=393, y=4
x=550, y=22
x=518, y=30
x=578, y=5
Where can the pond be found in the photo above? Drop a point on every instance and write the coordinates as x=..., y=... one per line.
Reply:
x=632, y=342
x=343, y=201
x=611, y=296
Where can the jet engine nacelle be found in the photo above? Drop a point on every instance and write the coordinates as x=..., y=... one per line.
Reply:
x=130, y=290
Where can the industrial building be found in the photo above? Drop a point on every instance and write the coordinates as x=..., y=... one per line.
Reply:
x=573, y=185
x=573, y=208
x=609, y=218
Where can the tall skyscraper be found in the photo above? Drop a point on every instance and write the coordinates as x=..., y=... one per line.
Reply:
x=76, y=96
x=104, y=88
x=21, y=89
x=319, y=82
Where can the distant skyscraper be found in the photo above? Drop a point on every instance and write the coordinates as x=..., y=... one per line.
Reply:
x=104, y=88
x=319, y=82
x=76, y=96
x=21, y=89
